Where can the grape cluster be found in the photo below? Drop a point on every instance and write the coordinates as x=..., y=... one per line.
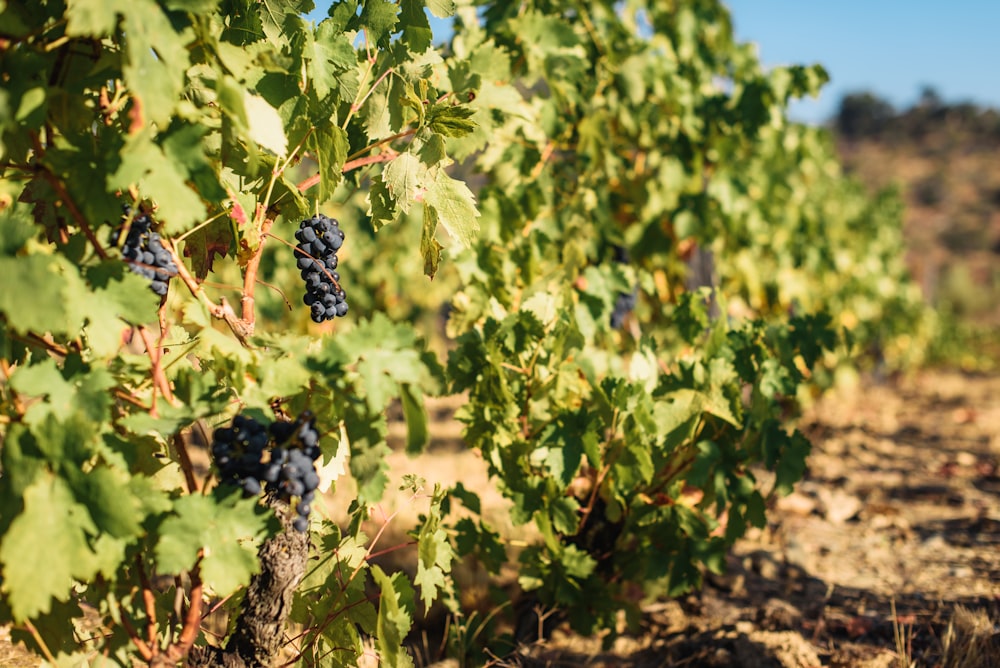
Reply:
x=319, y=240
x=144, y=251
x=624, y=304
x=625, y=301
x=279, y=457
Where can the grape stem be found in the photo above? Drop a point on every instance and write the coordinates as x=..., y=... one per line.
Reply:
x=222, y=310
x=33, y=339
x=192, y=620
x=144, y=651
x=250, y=277
x=355, y=161
x=159, y=376
x=63, y=194
x=185, y=461
x=298, y=250
x=46, y=652
x=149, y=602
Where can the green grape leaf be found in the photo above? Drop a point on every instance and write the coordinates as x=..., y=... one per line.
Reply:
x=565, y=515
x=441, y=8
x=264, y=125
x=451, y=120
x=430, y=247
x=455, y=208
x=395, y=617
x=417, y=33
x=64, y=395
x=157, y=61
x=577, y=563
x=680, y=405
x=330, y=60
x=375, y=112
x=433, y=565
x=121, y=291
x=106, y=494
x=94, y=18
x=225, y=530
x=786, y=454
x=380, y=17
x=404, y=177
x=434, y=553
x=328, y=146
x=15, y=230
x=164, y=181
x=415, y=415
x=39, y=279
x=381, y=204
x=46, y=548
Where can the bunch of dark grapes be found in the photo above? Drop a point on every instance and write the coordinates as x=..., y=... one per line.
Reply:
x=279, y=458
x=144, y=251
x=624, y=304
x=625, y=301
x=319, y=240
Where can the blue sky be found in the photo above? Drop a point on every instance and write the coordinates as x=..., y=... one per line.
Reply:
x=891, y=47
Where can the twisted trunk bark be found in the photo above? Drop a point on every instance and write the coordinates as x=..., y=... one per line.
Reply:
x=258, y=636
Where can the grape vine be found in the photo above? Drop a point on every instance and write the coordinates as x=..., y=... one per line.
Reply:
x=504, y=166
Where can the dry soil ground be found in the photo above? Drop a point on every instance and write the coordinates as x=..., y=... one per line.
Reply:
x=895, y=529
x=893, y=535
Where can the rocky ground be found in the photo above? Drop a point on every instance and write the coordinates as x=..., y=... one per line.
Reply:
x=892, y=538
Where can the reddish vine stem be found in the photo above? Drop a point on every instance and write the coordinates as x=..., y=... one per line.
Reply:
x=63, y=194
x=369, y=160
x=540, y=165
x=222, y=311
x=388, y=550
x=192, y=620
x=185, y=460
x=159, y=375
x=144, y=651
x=33, y=339
x=348, y=166
x=355, y=161
x=149, y=603
x=161, y=316
x=381, y=142
x=250, y=277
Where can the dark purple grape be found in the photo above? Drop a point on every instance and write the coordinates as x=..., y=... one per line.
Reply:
x=250, y=455
x=310, y=480
x=271, y=473
x=319, y=240
x=292, y=487
x=281, y=431
x=145, y=253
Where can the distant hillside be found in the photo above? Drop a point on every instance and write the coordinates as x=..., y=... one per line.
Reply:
x=945, y=158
